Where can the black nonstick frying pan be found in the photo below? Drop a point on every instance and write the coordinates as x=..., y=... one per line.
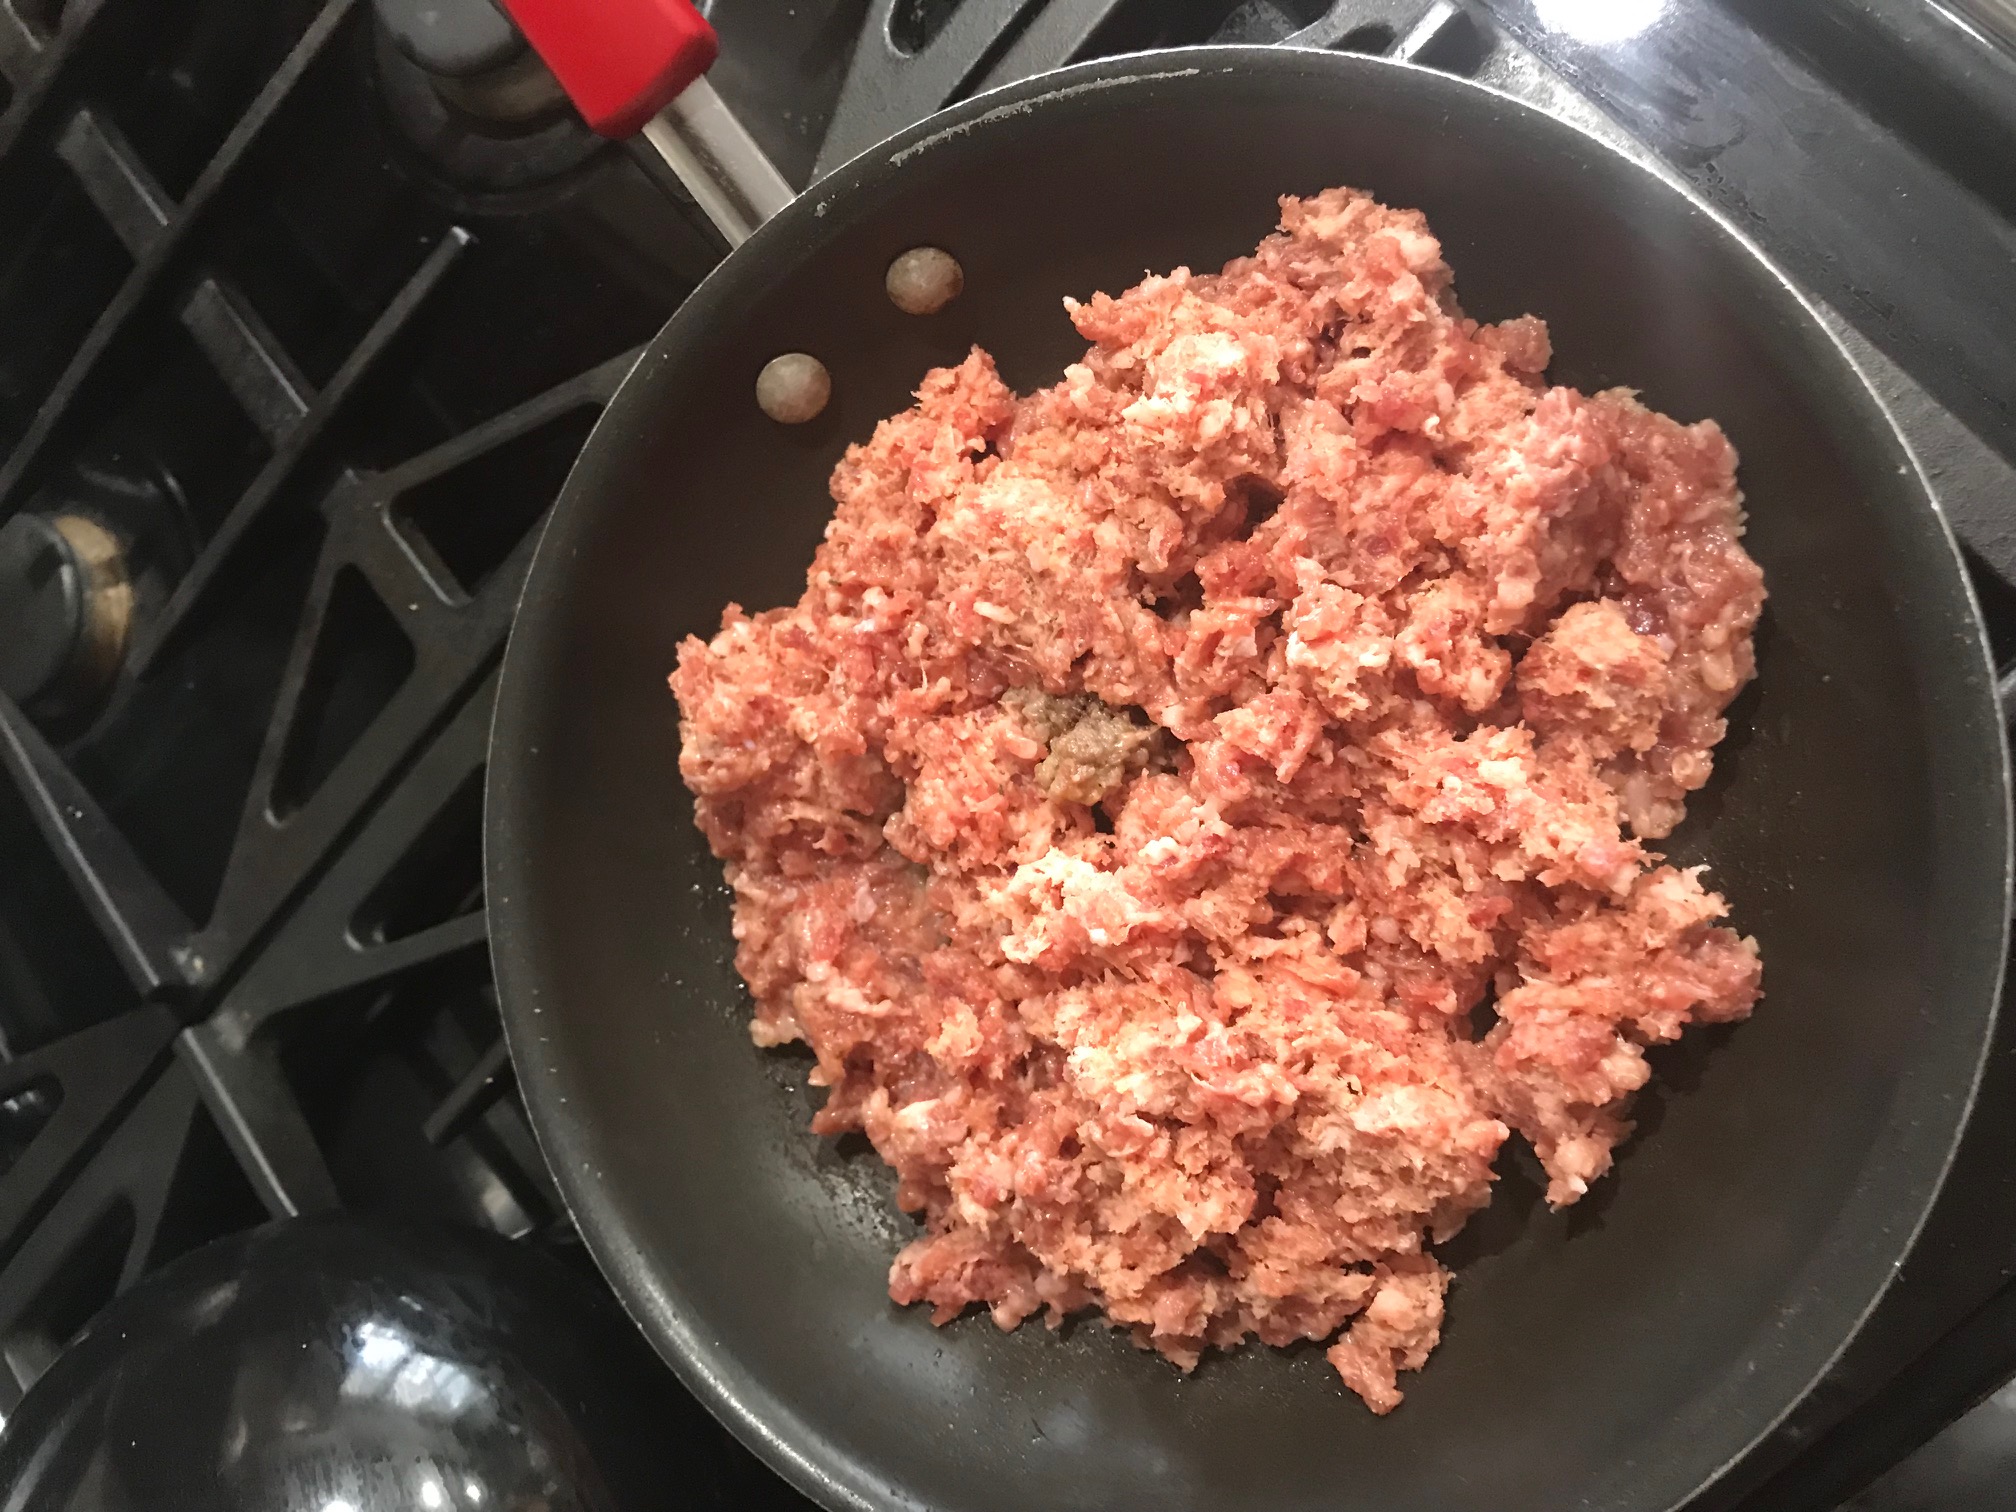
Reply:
x=1619, y=1356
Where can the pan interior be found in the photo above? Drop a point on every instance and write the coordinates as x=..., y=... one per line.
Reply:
x=1615, y=1356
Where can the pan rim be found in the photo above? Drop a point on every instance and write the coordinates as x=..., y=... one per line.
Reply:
x=565, y=1138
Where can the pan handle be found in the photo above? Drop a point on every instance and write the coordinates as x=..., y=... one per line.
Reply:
x=634, y=66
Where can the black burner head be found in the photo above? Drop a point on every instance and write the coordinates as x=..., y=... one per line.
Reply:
x=482, y=111
x=455, y=39
x=326, y=1363
x=65, y=606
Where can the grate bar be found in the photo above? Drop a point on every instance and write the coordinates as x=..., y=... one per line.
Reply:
x=145, y=929
x=476, y=1094
x=255, y=1109
x=272, y=858
x=315, y=953
x=361, y=966
x=250, y=360
x=1434, y=24
x=1059, y=34
x=118, y=183
x=886, y=89
x=597, y=386
x=135, y=1168
x=201, y=581
x=95, y=1075
x=274, y=864
x=20, y=48
x=1408, y=20
x=44, y=64
x=151, y=269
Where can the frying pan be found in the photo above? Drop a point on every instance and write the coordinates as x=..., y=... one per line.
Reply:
x=1618, y=1356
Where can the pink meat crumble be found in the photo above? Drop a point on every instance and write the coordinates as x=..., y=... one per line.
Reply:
x=1198, y=811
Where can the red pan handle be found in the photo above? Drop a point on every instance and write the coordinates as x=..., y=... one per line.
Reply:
x=634, y=66
x=620, y=61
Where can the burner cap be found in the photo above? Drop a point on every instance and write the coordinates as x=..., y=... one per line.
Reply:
x=64, y=608
x=41, y=606
x=451, y=39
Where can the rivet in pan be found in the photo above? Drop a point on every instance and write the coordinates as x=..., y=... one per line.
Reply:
x=924, y=280
x=793, y=388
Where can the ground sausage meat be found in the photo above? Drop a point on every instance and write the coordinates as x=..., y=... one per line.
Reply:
x=1198, y=811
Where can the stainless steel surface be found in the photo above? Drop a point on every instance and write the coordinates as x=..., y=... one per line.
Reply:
x=730, y=178
x=1996, y=17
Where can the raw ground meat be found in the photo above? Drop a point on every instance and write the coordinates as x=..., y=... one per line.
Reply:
x=1163, y=772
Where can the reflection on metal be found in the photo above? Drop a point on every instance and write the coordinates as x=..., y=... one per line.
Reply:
x=1996, y=17
x=735, y=185
x=1600, y=23
x=383, y=1362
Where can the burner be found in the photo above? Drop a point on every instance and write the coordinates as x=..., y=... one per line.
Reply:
x=474, y=103
x=452, y=39
x=66, y=605
x=476, y=60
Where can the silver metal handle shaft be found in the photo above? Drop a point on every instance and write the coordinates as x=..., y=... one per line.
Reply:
x=734, y=184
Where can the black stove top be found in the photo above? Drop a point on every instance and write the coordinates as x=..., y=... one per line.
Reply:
x=305, y=310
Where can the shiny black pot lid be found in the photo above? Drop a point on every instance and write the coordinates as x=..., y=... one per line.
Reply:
x=331, y=1365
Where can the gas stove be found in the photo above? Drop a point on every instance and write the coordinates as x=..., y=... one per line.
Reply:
x=306, y=309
